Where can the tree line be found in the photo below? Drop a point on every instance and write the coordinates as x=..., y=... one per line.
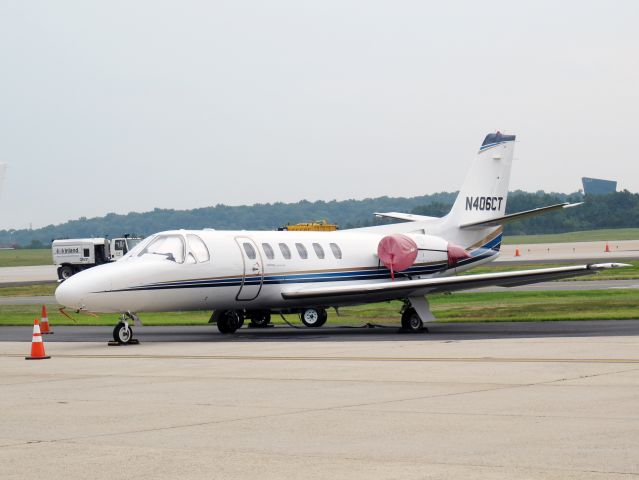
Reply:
x=615, y=210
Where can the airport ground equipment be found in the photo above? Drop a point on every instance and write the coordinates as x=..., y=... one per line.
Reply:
x=76, y=254
x=321, y=226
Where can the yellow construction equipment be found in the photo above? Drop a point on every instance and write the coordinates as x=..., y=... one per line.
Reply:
x=319, y=226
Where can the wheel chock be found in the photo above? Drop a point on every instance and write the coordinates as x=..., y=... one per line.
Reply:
x=133, y=341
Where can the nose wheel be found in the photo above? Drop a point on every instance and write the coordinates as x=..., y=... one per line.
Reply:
x=123, y=333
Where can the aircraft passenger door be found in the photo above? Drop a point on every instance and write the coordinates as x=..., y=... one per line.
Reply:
x=253, y=269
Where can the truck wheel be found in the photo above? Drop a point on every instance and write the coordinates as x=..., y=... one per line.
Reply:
x=65, y=272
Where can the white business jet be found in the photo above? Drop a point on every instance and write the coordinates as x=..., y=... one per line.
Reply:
x=251, y=274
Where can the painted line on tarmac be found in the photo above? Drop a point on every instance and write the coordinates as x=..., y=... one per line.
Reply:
x=347, y=358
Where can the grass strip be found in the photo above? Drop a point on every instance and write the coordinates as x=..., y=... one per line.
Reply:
x=625, y=273
x=25, y=257
x=604, y=235
x=619, y=304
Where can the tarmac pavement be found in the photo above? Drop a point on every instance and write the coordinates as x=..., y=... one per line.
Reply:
x=586, y=252
x=552, y=400
x=329, y=333
x=10, y=276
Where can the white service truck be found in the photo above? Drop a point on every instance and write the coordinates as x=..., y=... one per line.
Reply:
x=76, y=254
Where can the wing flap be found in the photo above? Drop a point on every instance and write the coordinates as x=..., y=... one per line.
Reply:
x=405, y=288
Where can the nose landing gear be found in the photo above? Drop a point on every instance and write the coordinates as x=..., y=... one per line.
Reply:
x=123, y=333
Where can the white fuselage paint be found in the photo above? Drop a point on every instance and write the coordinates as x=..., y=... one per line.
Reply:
x=232, y=280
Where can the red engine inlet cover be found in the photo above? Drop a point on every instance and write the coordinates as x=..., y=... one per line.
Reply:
x=397, y=252
x=455, y=254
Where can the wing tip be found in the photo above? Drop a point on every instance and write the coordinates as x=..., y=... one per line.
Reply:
x=603, y=266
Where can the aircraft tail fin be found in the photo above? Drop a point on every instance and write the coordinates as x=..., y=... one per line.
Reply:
x=484, y=192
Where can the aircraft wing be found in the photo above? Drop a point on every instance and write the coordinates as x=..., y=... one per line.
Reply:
x=494, y=222
x=408, y=288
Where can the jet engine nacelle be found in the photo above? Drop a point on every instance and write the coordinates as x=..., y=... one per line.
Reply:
x=399, y=252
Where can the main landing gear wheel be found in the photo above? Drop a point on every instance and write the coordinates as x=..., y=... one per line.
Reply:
x=259, y=319
x=228, y=321
x=122, y=333
x=411, y=321
x=314, y=317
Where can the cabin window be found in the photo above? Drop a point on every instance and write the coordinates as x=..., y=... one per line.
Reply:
x=170, y=247
x=250, y=251
x=319, y=251
x=286, y=252
x=198, y=248
x=85, y=252
x=337, y=252
x=301, y=249
x=268, y=251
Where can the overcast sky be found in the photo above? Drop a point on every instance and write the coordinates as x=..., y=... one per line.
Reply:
x=129, y=105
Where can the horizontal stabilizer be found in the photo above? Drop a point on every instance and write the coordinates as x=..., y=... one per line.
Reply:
x=495, y=222
x=410, y=217
x=407, y=288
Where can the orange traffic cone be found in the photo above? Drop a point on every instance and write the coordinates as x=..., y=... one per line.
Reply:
x=37, y=345
x=44, y=322
x=607, y=250
x=517, y=252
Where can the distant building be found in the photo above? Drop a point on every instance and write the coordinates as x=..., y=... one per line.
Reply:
x=597, y=186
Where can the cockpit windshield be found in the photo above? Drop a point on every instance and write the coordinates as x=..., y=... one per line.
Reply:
x=170, y=247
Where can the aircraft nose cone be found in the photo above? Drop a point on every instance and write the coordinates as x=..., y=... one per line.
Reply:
x=83, y=290
x=69, y=294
